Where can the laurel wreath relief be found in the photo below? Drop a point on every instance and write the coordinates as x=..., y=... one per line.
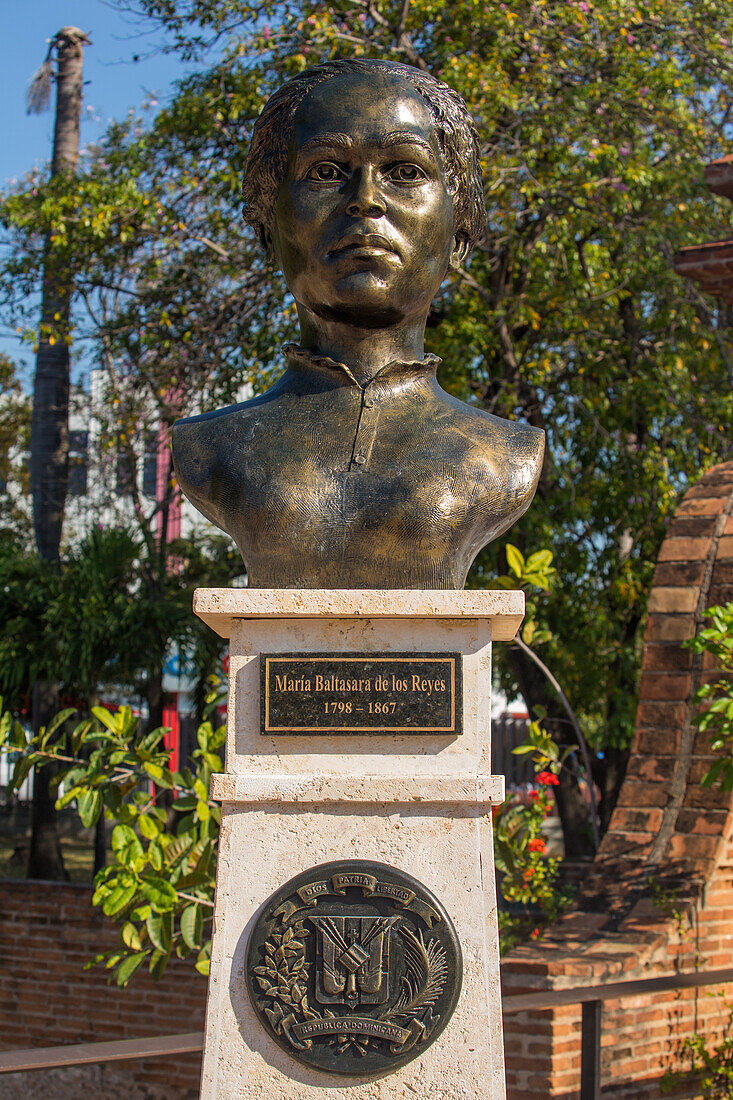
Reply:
x=283, y=978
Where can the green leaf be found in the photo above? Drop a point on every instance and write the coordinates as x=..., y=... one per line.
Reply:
x=185, y=803
x=159, y=893
x=203, y=960
x=89, y=804
x=131, y=936
x=204, y=734
x=154, y=925
x=192, y=925
x=128, y=966
x=540, y=561
x=148, y=826
x=515, y=559
x=158, y=963
x=107, y=719
x=126, y=845
x=17, y=738
x=23, y=767
x=120, y=897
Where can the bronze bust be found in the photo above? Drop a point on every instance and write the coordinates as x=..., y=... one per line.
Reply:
x=356, y=470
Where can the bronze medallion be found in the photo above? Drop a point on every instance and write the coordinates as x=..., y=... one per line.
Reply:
x=354, y=967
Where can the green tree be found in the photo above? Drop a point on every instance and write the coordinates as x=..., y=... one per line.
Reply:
x=595, y=118
x=159, y=886
x=15, y=422
x=49, y=438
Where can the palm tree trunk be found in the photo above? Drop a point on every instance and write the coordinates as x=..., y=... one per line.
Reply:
x=49, y=463
x=50, y=424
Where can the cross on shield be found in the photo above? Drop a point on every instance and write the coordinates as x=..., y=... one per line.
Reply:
x=352, y=959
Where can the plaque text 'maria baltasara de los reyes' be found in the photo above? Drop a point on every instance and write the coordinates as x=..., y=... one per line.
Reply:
x=361, y=693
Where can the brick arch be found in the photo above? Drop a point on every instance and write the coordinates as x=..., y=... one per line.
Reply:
x=659, y=895
x=658, y=818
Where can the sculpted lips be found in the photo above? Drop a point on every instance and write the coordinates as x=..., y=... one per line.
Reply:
x=364, y=244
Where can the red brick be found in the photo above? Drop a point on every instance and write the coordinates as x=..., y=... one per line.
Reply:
x=665, y=685
x=700, y=506
x=642, y=795
x=684, y=549
x=673, y=600
x=714, y=490
x=676, y=573
x=725, y=548
x=703, y=822
x=667, y=658
x=636, y=821
x=706, y=798
x=693, y=847
x=656, y=769
x=692, y=527
x=669, y=628
x=661, y=715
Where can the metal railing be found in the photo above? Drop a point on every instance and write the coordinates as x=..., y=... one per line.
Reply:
x=591, y=997
x=86, y=1054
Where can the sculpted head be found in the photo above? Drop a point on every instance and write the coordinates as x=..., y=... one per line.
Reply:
x=364, y=179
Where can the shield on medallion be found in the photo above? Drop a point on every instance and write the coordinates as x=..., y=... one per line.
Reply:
x=352, y=959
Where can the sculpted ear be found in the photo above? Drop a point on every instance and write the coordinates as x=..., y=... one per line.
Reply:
x=461, y=249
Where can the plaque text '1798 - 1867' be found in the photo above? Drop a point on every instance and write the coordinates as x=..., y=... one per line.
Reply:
x=361, y=693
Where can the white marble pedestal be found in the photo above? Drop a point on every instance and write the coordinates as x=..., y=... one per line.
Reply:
x=418, y=802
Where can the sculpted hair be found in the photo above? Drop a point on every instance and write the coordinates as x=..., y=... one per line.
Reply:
x=267, y=157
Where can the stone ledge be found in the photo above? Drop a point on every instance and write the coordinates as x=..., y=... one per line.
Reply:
x=218, y=607
x=477, y=791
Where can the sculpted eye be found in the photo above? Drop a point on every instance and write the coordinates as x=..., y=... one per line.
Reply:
x=406, y=173
x=326, y=172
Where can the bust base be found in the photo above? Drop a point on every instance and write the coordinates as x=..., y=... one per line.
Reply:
x=419, y=803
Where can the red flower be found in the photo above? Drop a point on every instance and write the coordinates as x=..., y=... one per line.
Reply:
x=535, y=934
x=533, y=796
x=537, y=846
x=548, y=779
x=528, y=873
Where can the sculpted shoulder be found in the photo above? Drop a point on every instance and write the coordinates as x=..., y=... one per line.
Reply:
x=512, y=440
x=203, y=446
x=507, y=453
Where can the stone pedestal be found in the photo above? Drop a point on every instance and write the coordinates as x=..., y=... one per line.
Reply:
x=418, y=802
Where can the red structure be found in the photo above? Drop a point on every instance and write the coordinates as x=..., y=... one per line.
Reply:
x=711, y=265
x=658, y=899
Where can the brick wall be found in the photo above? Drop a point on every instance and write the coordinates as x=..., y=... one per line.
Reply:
x=48, y=931
x=659, y=896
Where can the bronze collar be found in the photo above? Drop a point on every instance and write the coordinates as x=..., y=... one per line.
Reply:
x=395, y=372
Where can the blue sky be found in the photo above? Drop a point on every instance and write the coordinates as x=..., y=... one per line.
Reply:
x=115, y=82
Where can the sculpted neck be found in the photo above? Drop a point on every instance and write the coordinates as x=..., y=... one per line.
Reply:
x=363, y=350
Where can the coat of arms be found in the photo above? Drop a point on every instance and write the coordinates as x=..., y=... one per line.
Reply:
x=354, y=967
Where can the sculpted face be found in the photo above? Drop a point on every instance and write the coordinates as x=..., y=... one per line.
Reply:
x=363, y=225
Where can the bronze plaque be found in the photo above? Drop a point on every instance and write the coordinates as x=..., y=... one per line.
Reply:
x=361, y=693
x=354, y=967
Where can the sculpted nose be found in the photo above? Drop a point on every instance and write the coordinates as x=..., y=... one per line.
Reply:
x=366, y=198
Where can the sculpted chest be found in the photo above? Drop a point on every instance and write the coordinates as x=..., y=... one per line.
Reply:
x=333, y=487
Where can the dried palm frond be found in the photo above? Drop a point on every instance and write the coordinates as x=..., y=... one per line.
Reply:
x=39, y=89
